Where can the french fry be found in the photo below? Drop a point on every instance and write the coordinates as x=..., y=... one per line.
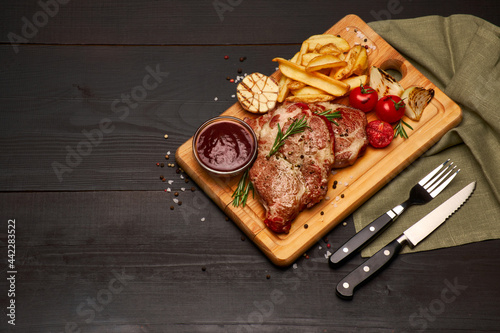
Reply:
x=303, y=49
x=325, y=67
x=283, y=84
x=317, y=80
x=295, y=85
x=310, y=98
x=356, y=81
x=308, y=90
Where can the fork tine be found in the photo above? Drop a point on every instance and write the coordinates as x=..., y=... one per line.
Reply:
x=435, y=180
x=424, y=180
x=444, y=184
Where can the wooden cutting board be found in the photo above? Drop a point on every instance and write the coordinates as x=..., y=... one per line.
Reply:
x=355, y=184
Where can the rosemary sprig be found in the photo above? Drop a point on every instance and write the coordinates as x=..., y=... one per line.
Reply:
x=240, y=195
x=399, y=129
x=331, y=116
x=297, y=126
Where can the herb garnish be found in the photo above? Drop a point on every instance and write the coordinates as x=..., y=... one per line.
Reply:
x=240, y=195
x=399, y=129
x=297, y=126
x=331, y=116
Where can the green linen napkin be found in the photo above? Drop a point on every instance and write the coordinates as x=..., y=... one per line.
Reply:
x=460, y=54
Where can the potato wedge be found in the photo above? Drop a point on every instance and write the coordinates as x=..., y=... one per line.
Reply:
x=306, y=58
x=356, y=81
x=329, y=48
x=317, y=80
x=324, y=61
x=361, y=64
x=325, y=39
x=351, y=59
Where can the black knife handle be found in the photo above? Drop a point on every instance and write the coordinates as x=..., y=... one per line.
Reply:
x=361, y=238
x=345, y=288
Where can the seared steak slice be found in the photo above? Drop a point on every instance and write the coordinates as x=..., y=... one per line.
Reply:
x=296, y=176
x=351, y=140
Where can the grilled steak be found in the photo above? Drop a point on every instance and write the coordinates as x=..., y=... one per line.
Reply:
x=351, y=140
x=296, y=177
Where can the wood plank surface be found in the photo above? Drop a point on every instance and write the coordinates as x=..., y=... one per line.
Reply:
x=110, y=218
x=358, y=182
x=218, y=22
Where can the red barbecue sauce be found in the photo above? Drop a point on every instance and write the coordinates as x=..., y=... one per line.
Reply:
x=225, y=146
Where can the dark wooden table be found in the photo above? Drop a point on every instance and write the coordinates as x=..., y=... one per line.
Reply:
x=88, y=89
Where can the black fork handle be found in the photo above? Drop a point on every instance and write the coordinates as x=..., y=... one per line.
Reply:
x=367, y=234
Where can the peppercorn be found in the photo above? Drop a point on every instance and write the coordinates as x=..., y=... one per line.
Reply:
x=306, y=226
x=243, y=59
x=226, y=57
x=171, y=207
x=268, y=276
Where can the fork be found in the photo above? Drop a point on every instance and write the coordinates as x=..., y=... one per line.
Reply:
x=423, y=192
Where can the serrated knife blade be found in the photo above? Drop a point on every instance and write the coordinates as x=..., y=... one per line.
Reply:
x=413, y=235
x=423, y=228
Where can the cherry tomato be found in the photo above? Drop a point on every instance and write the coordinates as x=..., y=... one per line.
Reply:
x=363, y=98
x=380, y=133
x=390, y=108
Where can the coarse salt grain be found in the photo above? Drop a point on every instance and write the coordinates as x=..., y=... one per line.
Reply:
x=216, y=98
x=168, y=152
x=182, y=177
x=233, y=96
x=202, y=219
x=327, y=198
x=328, y=254
x=183, y=189
x=175, y=200
x=170, y=182
x=294, y=266
x=169, y=190
x=319, y=247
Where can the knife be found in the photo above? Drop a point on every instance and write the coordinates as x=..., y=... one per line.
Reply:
x=412, y=236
